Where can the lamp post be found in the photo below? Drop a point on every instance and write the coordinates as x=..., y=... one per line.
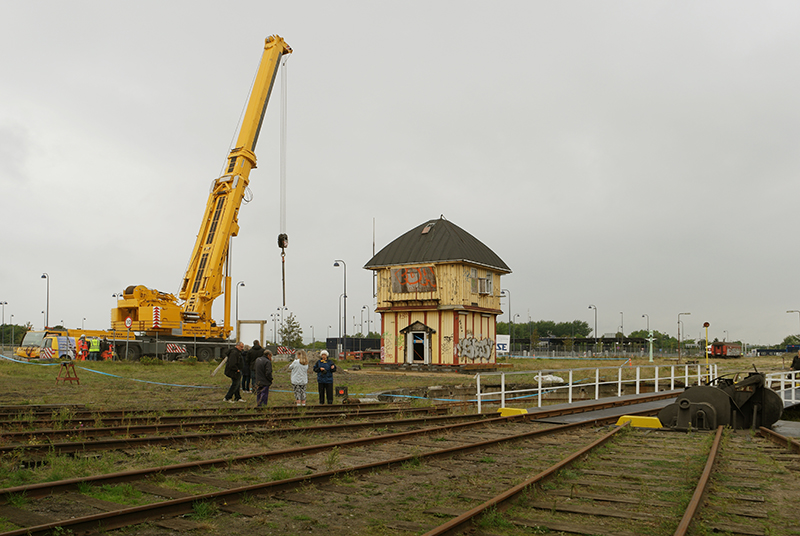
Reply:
x=649, y=335
x=44, y=321
x=679, y=335
x=274, y=317
x=725, y=331
x=344, y=299
x=794, y=311
x=83, y=322
x=595, y=326
x=313, y=340
x=12, y=334
x=47, y=314
x=364, y=308
x=3, y=305
x=239, y=284
x=344, y=268
x=340, y=314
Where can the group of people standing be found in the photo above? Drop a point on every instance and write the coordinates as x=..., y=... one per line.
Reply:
x=93, y=349
x=252, y=369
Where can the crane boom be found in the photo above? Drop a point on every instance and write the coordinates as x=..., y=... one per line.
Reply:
x=206, y=276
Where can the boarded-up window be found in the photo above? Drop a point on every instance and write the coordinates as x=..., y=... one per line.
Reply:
x=420, y=279
x=485, y=284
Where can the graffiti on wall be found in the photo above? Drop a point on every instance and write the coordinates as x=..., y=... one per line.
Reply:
x=419, y=279
x=472, y=348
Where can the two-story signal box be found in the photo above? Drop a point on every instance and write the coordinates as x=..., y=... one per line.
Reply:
x=438, y=297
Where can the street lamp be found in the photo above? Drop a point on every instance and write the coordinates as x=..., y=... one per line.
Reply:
x=47, y=315
x=44, y=321
x=344, y=267
x=239, y=284
x=595, y=326
x=340, y=315
x=508, y=293
x=274, y=317
x=795, y=311
x=649, y=335
x=12, y=334
x=362, y=319
x=679, y=335
x=313, y=340
x=3, y=305
x=83, y=322
x=725, y=331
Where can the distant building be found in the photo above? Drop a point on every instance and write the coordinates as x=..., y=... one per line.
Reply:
x=438, y=297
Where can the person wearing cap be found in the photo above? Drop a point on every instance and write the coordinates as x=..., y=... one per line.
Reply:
x=325, y=370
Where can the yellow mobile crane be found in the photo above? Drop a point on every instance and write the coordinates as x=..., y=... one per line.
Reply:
x=159, y=317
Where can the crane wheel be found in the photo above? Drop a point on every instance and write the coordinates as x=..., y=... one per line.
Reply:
x=205, y=353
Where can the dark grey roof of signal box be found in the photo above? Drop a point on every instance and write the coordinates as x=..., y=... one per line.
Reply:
x=443, y=241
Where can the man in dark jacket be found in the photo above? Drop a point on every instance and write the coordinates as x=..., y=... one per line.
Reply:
x=233, y=370
x=249, y=372
x=263, y=378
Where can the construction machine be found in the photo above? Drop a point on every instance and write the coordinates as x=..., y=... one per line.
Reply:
x=162, y=317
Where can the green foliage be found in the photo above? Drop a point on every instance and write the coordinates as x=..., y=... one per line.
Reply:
x=147, y=360
x=18, y=332
x=660, y=340
x=333, y=459
x=202, y=510
x=546, y=328
x=291, y=334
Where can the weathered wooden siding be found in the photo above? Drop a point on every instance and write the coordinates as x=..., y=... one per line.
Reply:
x=464, y=319
x=454, y=287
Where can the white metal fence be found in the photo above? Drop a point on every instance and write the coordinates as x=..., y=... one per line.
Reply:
x=590, y=379
x=786, y=384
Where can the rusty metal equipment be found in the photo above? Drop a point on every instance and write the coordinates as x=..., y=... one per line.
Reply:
x=724, y=401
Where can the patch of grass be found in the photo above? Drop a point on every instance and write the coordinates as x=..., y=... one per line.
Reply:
x=203, y=510
x=492, y=519
x=279, y=473
x=487, y=459
x=413, y=463
x=18, y=499
x=332, y=460
x=118, y=493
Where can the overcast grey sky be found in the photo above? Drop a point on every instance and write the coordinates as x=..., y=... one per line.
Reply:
x=638, y=156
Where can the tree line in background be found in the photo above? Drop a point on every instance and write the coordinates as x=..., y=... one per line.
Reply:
x=291, y=335
x=533, y=332
x=9, y=330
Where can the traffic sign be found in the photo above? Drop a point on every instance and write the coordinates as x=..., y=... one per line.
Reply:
x=128, y=322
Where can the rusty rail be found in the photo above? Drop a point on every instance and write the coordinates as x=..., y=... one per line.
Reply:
x=129, y=516
x=697, y=497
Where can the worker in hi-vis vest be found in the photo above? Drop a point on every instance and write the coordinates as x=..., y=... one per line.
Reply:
x=94, y=349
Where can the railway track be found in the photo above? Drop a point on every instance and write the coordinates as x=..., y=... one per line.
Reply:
x=499, y=475
x=31, y=445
